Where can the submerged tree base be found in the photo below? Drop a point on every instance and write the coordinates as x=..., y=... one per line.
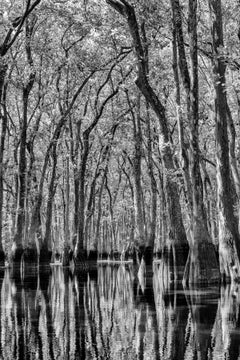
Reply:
x=17, y=253
x=45, y=256
x=30, y=255
x=66, y=255
x=104, y=256
x=144, y=253
x=174, y=258
x=202, y=267
x=2, y=258
x=148, y=255
x=93, y=255
x=81, y=261
x=229, y=264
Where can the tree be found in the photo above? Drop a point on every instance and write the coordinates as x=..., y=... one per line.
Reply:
x=10, y=38
x=177, y=235
x=19, y=238
x=202, y=252
x=229, y=239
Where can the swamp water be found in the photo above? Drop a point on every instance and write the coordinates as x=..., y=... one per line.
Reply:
x=107, y=314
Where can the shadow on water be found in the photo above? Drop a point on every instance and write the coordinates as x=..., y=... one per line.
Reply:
x=110, y=314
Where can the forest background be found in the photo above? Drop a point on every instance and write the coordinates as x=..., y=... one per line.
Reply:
x=119, y=133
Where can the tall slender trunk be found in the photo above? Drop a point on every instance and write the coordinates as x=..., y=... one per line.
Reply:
x=99, y=211
x=11, y=36
x=233, y=159
x=153, y=215
x=3, y=118
x=177, y=235
x=137, y=175
x=76, y=207
x=20, y=221
x=66, y=248
x=35, y=220
x=229, y=238
x=22, y=167
x=153, y=212
x=112, y=220
x=80, y=250
x=89, y=218
x=202, y=264
x=67, y=213
x=48, y=241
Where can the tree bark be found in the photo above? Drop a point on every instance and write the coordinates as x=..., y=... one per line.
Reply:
x=229, y=238
x=36, y=218
x=139, y=236
x=177, y=235
x=153, y=215
x=8, y=42
x=3, y=118
x=66, y=246
x=18, y=240
x=202, y=266
x=48, y=238
x=79, y=251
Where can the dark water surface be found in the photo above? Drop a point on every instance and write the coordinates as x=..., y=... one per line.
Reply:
x=107, y=314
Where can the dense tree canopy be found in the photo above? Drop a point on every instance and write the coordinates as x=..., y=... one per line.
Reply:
x=119, y=132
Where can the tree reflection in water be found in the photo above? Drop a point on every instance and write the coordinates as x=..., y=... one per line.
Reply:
x=108, y=314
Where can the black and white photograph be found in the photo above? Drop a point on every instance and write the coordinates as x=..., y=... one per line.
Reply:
x=119, y=179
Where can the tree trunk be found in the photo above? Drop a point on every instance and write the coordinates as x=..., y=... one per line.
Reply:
x=76, y=207
x=99, y=213
x=3, y=118
x=80, y=251
x=48, y=240
x=19, y=236
x=66, y=246
x=18, y=241
x=105, y=158
x=229, y=238
x=202, y=266
x=139, y=237
x=177, y=236
x=90, y=217
x=153, y=215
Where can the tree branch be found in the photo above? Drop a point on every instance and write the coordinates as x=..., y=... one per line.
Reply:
x=7, y=42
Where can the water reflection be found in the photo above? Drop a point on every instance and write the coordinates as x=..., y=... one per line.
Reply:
x=107, y=314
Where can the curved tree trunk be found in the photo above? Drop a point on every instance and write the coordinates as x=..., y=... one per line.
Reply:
x=19, y=238
x=11, y=36
x=80, y=250
x=177, y=236
x=229, y=238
